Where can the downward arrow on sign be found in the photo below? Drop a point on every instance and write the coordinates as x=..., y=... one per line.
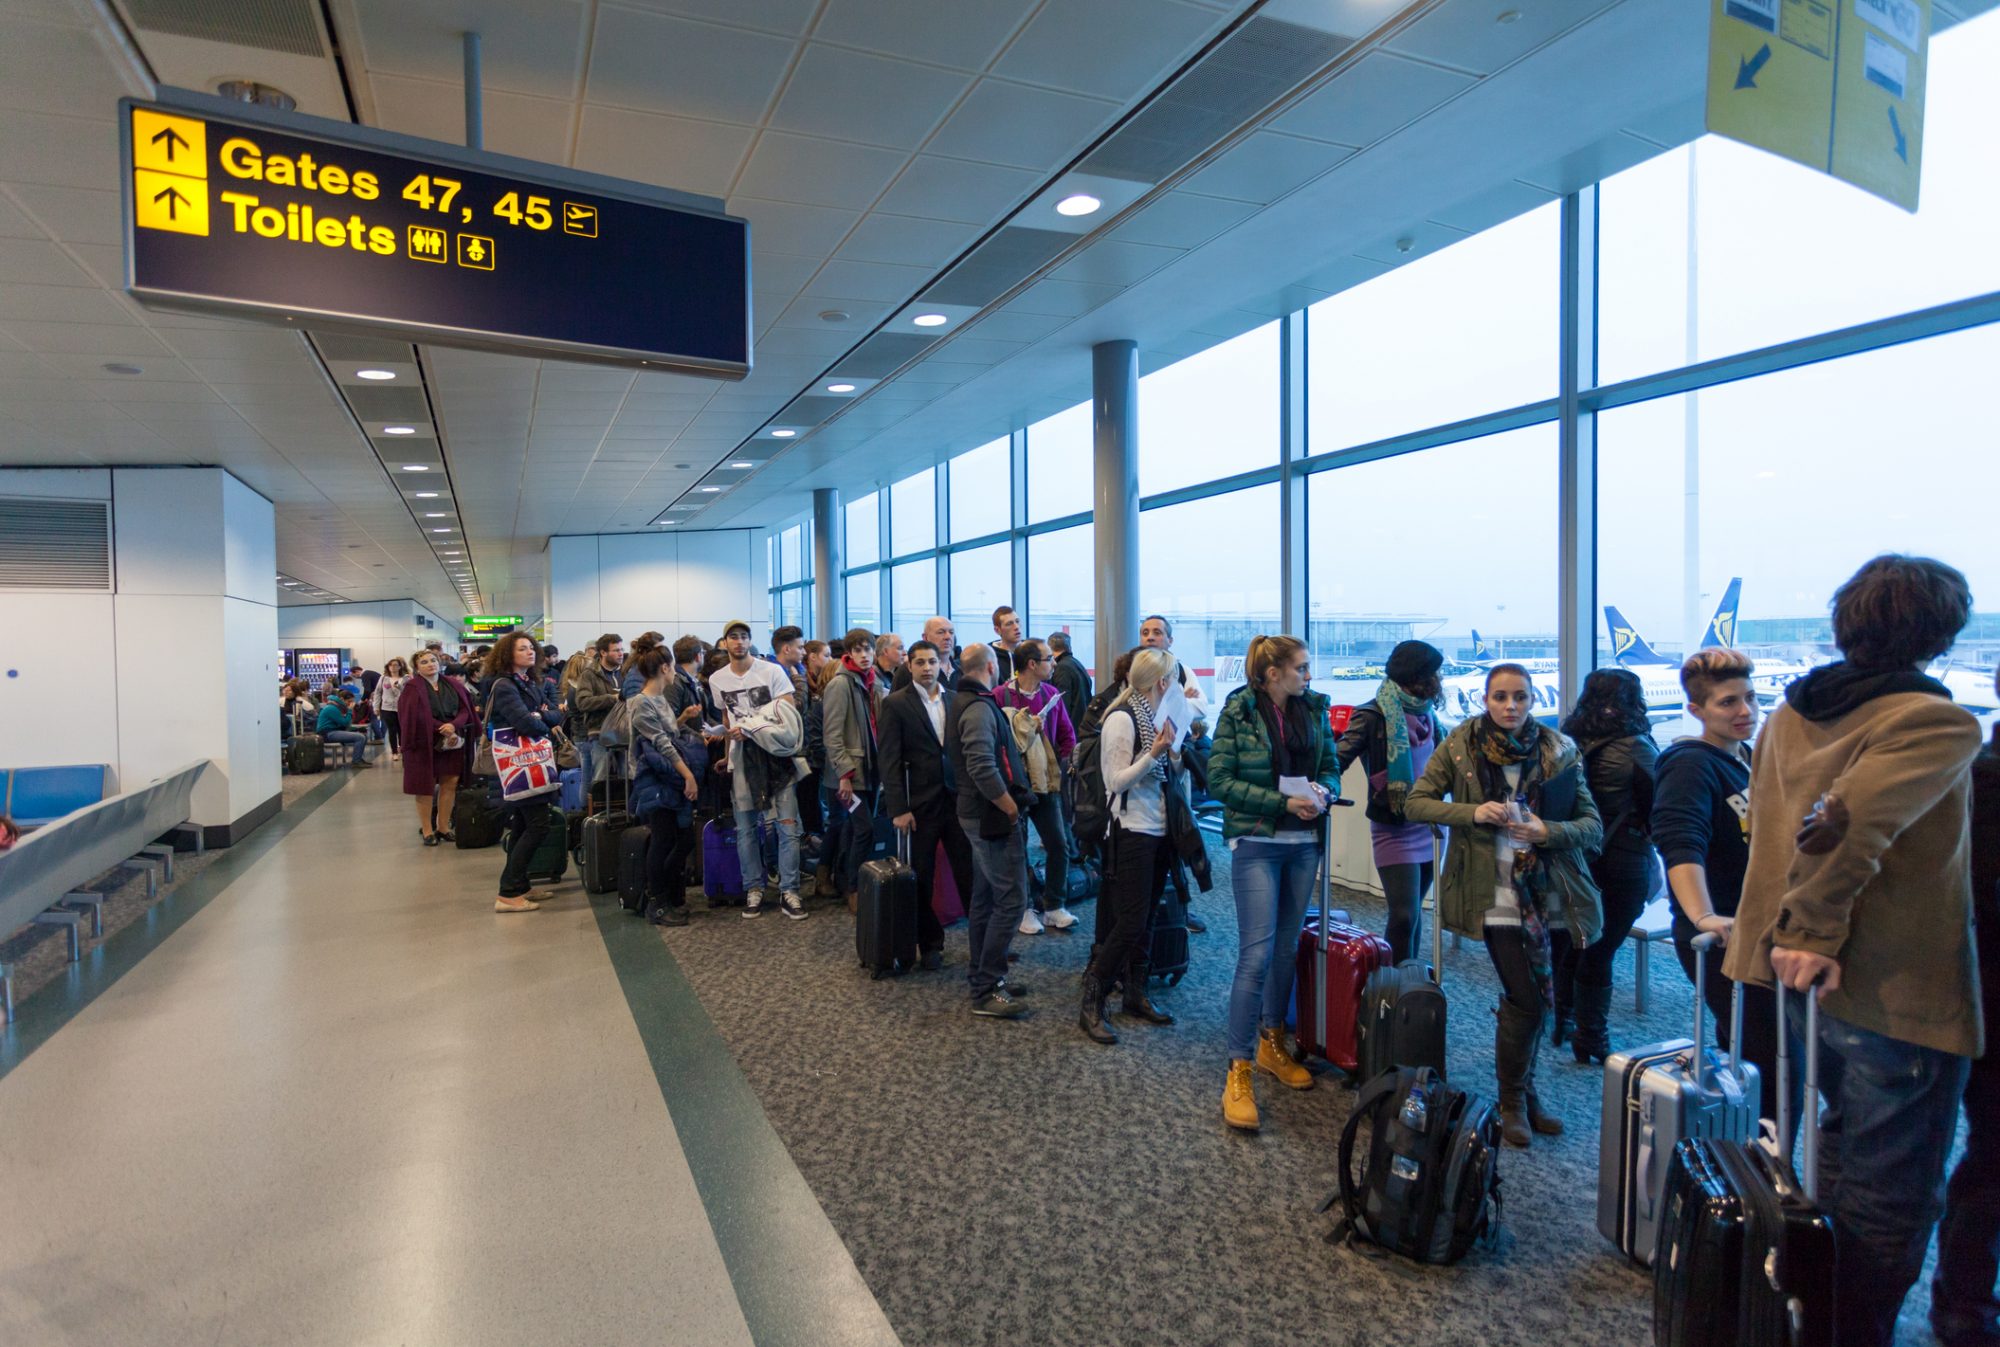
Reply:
x=1746, y=71
x=1902, y=141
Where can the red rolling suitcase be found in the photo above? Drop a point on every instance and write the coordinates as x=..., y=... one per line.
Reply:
x=1335, y=960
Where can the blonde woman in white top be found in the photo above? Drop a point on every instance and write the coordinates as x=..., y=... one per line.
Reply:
x=387, y=689
x=1135, y=754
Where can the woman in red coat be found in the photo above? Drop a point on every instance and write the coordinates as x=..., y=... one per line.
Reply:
x=439, y=720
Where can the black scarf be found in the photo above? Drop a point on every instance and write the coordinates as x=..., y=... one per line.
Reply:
x=1290, y=736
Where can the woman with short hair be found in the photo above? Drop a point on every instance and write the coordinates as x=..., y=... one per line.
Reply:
x=438, y=715
x=1271, y=739
x=1513, y=794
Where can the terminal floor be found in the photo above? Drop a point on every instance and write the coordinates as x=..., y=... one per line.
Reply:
x=341, y=1101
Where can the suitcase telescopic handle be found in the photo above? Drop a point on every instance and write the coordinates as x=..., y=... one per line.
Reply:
x=1808, y=1173
x=1701, y=944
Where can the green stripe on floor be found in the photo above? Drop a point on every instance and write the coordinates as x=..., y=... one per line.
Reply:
x=37, y=1017
x=775, y=1239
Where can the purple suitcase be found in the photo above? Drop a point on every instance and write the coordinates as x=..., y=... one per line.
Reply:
x=721, y=873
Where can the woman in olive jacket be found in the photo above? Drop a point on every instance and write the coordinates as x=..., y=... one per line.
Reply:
x=1273, y=729
x=1522, y=825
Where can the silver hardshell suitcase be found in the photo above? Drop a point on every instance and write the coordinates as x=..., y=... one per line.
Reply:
x=1653, y=1098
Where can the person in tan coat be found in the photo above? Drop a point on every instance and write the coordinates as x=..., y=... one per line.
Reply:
x=1859, y=881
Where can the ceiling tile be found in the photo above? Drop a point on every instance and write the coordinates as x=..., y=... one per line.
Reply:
x=1490, y=207
x=59, y=304
x=676, y=152
x=1026, y=127
x=1471, y=34
x=1183, y=220
x=526, y=46
x=1265, y=167
x=659, y=63
x=961, y=35
x=777, y=16
x=787, y=227
x=871, y=280
x=953, y=189
x=852, y=96
x=786, y=167
x=38, y=262
x=906, y=239
x=517, y=124
x=1377, y=95
x=1109, y=263
x=73, y=214
x=1115, y=49
x=93, y=339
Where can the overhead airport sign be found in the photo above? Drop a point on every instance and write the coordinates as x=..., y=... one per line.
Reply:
x=490, y=624
x=241, y=211
x=1837, y=85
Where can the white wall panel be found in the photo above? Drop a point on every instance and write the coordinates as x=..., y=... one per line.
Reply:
x=167, y=524
x=58, y=682
x=57, y=483
x=570, y=637
x=573, y=595
x=165, y=718
x=250, y=659
x=249, y=543
x=716, y=581
x=636, y=585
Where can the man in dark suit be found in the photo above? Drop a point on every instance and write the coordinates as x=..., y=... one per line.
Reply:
x=1070, y=676
x=918, y=791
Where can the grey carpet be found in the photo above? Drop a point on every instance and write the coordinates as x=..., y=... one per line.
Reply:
x=1014, y=1183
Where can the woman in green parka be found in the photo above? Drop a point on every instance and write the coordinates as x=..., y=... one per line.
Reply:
x=1273, y=768
x=1523, y=826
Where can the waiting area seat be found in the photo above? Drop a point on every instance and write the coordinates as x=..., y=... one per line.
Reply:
x=1656, y=923
x=42, y=874
x=35, y=796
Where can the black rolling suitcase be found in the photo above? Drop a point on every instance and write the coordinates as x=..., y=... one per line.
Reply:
x=632, y=846
x=885, y=913
x=1403, y=1014
x=1746, y=1254
x=1167, y=957
x=597, y=856
x=305, y=754
x=551, y=859
x=478, y=814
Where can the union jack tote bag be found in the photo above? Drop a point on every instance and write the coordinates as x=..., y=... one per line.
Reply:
x=525, y=764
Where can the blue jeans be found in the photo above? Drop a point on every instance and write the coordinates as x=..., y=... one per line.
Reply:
x=1272, y=881
x=355, y=737
x=784, y=816
x=999, y=892
x=588, y=752
x=1886, y=1131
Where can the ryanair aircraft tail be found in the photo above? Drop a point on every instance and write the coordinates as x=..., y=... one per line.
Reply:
x=1627, y=645
x=1721, y=631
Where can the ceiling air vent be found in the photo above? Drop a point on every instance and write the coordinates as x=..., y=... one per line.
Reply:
x=998, y=265
x=271, y=25
x=54, y=544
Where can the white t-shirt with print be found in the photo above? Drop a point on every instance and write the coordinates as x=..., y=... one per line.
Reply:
x=745, y=694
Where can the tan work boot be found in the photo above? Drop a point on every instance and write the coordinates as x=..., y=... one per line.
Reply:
x=1273, y=1059
x=1239, y=1098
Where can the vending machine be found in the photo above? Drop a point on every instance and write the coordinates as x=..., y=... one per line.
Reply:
x=320, y=668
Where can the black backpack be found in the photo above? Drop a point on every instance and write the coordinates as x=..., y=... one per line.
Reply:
x=815, y=733
x=1430, y=1187
x=1089, y=805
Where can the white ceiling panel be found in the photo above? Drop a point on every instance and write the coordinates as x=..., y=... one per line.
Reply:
x=855, y=96
x=1114, y=49
x=39, y=262
x=1022, y=126
x=787, y=167
x=71, y=214
x=1373, y=98
x=871, y=280
x=788, y=227
x=1113, y=263
x=44, y=66
x=60, y=151
x=517, y=124
x=962, y=35
x=1266, y=166
x=788, y=17
x=661, y=63
x=16, y=225
x=1481, y=36
x=907, y=240
x=954, y=189
x=1182, y=219
x=59, y=304
x=526, y=46
x=1490, y=207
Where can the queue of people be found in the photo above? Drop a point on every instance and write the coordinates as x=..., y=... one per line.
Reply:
x=1853, y=853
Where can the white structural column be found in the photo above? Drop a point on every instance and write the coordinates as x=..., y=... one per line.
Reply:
x=1114, y=412
x=829, y=612
x=176, y=661
x=1576, y=622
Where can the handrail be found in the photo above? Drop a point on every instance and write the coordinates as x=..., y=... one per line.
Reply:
x=37, y=871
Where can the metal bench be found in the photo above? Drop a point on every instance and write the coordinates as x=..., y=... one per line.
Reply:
x=42, y=876
x=1656, y=923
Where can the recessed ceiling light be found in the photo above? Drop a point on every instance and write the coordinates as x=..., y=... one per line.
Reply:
x=399, y=430
x=1507, y=16
x=709, y=488
x=437, y=514
x=416, y=467
x=930, y=320
x=1082, y=203
x=440, y=530
x=669, y=521
x=783, y=434
x=120, y=367
x=374, y=374
x=834, y=315
x=742, y=465
x=840, y=388
x=425, y=495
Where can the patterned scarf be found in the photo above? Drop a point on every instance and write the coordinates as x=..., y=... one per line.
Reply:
x=1494, y=750
x=867, y=676
x=1397, y=706
x=1142, y=738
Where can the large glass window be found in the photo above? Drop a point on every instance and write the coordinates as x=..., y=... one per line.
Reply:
x=1211, y=415
x=981, y=580
x=1059, y=465
x=913, y=514
x=982, y=491
x=791, y=554
x=1469, y=329
x=1480, y=585
x=864, y=531
x=1780, y=251
x=864, y=600
x=1210, y=567
x=914, y=592
x=1062, y=589
x=1791, y=481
